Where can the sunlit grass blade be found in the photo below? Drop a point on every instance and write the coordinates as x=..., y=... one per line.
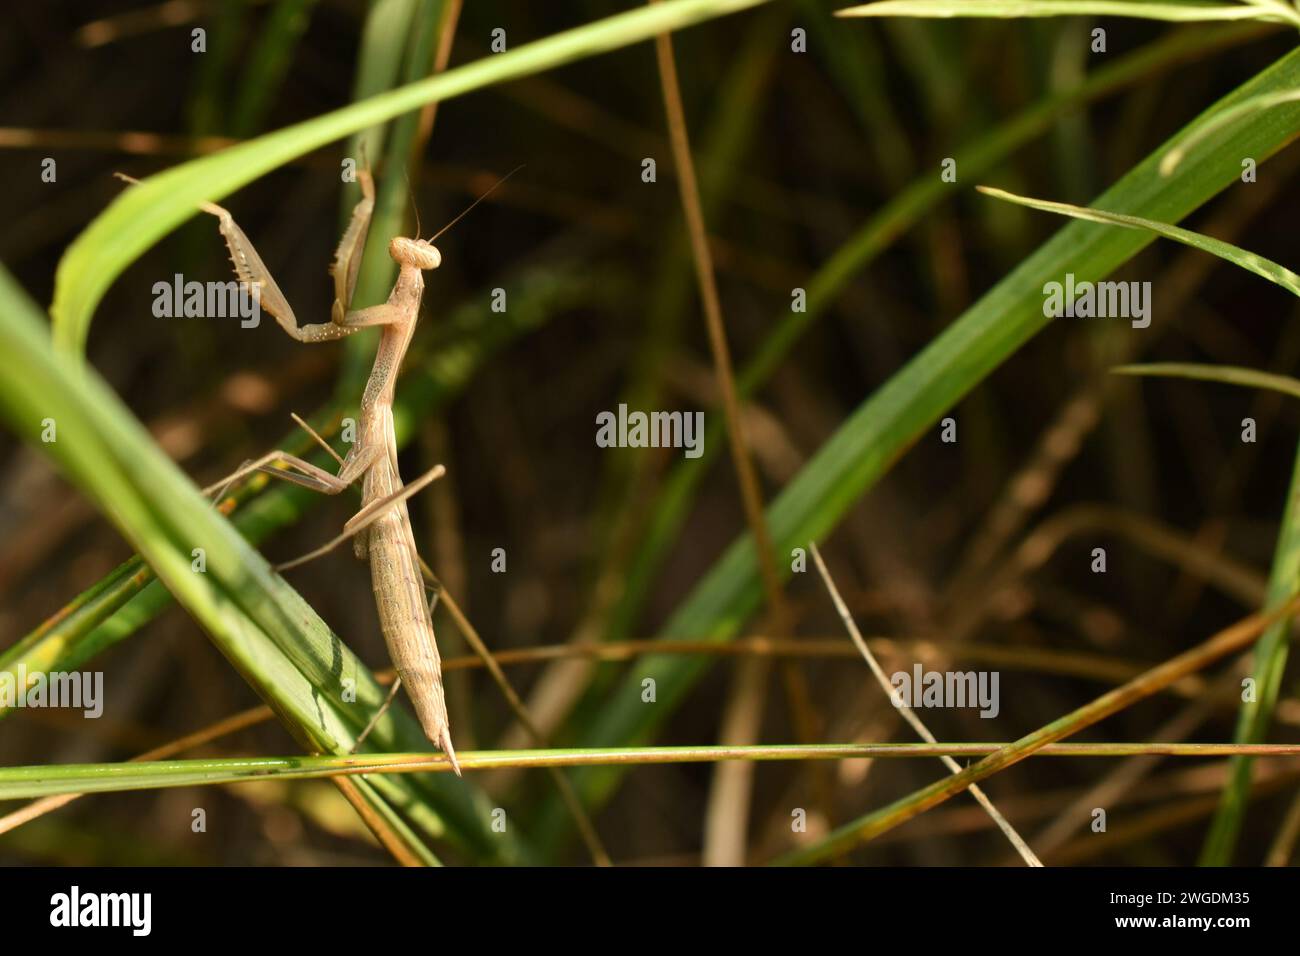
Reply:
x=1184, y=12
x=1280, y=275
x=26, y=783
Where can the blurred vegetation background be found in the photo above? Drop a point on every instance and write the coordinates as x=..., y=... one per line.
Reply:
x=984, y=543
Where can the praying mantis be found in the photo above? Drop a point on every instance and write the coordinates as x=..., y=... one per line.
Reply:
x=381, y=530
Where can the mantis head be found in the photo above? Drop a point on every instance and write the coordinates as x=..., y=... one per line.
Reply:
x=422, y=253
x=415, y=252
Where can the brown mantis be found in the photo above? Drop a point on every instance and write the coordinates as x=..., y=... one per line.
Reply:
x=381, y=530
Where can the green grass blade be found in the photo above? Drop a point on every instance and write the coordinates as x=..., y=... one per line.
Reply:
x=142, y=215
x=1271, y=649
x=27, y=783
x=379, y=62
x=412, y=47
x=261, y=81
x=1279, y=275
x=1227, y=374
x=1268, y=665
x=1185, y=12
x=882, y=428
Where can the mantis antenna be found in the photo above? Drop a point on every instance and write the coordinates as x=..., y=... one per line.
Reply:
x=475, y=203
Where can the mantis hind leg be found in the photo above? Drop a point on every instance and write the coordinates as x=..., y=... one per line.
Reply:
x=252, y=272
x=383, y=709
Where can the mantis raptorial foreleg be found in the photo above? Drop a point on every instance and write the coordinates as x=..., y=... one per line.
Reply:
x=250, y=268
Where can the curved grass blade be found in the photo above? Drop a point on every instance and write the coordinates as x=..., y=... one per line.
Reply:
x=1184, y=12
x=1226, y=374
x=1268, y=269
x=142, y=215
